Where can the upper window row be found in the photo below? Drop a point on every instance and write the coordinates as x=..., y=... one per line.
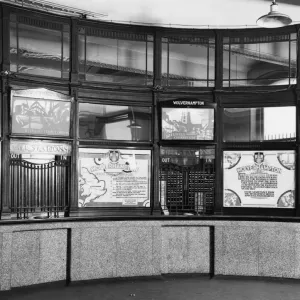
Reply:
x=43, y=48
x=40, y=112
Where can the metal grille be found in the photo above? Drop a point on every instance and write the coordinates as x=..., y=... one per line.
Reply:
x=186, y=190
x=39, y=190
x=201, y=192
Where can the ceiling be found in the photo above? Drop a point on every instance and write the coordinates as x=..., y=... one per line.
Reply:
x=187, y=13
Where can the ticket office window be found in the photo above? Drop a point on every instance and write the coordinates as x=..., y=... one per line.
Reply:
x=115, y=177
x=187, y=180
x=39, y=179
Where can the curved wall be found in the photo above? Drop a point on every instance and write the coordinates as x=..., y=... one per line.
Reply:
x=76, y=250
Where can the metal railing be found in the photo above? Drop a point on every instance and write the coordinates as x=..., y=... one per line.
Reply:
x=38, y=190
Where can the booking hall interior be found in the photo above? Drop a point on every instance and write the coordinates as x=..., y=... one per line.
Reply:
x=134, y=150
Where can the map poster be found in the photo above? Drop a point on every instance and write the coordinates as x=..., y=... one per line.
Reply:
x=114, y=178
x=259, y=179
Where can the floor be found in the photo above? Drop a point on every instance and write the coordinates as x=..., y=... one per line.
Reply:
x=163, y=288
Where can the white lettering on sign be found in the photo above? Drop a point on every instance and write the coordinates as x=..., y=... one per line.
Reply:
x=25, y=148
x=165, y=160
x=188, y=102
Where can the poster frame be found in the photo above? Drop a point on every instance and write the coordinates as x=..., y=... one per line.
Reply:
x=44, y=95
x=258, y=211
x=116, y=208
x=186, y=103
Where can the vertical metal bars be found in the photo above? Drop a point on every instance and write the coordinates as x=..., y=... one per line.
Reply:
x=186, y=190
x=38, y=188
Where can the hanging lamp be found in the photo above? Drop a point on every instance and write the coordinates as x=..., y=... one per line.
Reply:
x=134, y=124
x=274, y=18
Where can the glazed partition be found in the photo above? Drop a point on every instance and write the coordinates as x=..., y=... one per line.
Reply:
x=107, y=119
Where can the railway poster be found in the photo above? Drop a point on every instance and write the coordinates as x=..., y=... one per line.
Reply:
x=259, y=179
x=112, y=178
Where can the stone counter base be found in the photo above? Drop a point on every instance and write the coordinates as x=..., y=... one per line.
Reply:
x=75, y=251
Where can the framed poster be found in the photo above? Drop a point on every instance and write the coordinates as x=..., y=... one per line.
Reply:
x=187, y=120
x=259, y=179
x=40, y=112
x=114, y=178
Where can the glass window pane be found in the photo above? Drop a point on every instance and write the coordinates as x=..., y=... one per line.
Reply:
x=272, y=63
x=150, y=63
x=110, y=122
x=259, y=124
x=118, y=61
x=259, y=179
x=66, y=54
x=114, y=178
x=40, y=51
x=211, y=65
x=190, y=65
x=81, y=53
x=13, y=47
x=164, y=64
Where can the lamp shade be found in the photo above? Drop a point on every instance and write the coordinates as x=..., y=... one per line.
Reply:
x=134, y=125
x=274, y=18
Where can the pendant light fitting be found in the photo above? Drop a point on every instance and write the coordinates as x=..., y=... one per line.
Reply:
x=274, y=18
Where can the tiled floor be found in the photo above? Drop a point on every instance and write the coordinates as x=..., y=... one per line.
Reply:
x=165, y=288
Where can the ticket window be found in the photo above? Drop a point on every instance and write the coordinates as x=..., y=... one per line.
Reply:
x=39, y=179
x=187, y=180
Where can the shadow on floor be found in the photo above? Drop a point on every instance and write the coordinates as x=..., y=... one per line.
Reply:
x=163, y=288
